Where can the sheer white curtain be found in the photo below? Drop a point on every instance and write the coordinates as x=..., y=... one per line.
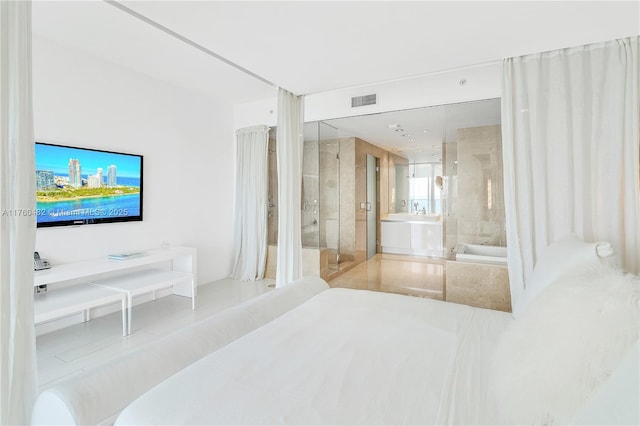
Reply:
x=289, y=151
x=252, y=179
x=18, y=385
x=571, y=153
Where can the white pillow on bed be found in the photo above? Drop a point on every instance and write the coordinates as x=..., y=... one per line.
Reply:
x=556, y=355
x=566, y=256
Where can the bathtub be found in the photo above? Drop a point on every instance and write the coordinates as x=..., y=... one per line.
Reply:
x=493, y=255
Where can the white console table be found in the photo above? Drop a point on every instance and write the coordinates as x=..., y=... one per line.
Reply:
x=128, y=278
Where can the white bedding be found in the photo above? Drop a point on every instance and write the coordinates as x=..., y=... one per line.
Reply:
x=98, y=396
x=344, y=356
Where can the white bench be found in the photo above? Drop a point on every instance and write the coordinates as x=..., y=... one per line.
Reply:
x=55, y=304
x=121, y=279
x=142, y=282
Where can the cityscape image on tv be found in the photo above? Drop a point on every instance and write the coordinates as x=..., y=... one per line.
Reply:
x=74, y=184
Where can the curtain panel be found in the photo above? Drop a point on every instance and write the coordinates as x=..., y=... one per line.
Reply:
x=289, y=151
x=571, y=153
x=252, y=179
x=18, y=386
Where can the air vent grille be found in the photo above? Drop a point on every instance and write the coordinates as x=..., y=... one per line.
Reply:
x=359, y=101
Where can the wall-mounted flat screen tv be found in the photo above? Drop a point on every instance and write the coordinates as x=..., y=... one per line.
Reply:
x=79, y=186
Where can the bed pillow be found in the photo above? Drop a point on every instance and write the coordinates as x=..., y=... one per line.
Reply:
x=566, y=256
x=553, y=358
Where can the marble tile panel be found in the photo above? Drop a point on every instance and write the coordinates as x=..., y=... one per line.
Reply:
x=480, y=285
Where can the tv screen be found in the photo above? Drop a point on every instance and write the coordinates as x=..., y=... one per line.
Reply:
x=77, y=186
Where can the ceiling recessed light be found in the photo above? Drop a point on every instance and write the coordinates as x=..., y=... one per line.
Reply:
x=412, y=140
x=399, y=130
x=406, y=135
x=425, y=131
x=393, y=126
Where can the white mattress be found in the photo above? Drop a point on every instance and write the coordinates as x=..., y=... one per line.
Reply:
x=344, y=356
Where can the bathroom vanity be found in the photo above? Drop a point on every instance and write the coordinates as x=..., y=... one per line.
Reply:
x=413, y=234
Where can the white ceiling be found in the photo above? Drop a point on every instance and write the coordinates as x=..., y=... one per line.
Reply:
x=108, y=33
x=309, y=47
x=423, y=130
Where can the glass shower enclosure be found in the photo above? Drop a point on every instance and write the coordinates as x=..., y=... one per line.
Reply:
x=320, y=201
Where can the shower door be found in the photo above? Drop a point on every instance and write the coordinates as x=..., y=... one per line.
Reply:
x=329, y=170
x=372, y=206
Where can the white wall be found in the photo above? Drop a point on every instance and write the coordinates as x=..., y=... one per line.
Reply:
x=186, y=140
x=481, y=82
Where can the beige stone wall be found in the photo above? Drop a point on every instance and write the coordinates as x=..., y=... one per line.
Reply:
x=450, y=196
x=480, y=285
x=347, y=198
x=272, y=215
x=310, y=197
x=329, y=193
x=480, y=192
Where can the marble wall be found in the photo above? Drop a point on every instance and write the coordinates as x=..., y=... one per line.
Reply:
x=272, y=215
x=347, y=198
x=310, y=219
x=480, y=285
x=479, y=205
x=329, y=193
x=450, y=196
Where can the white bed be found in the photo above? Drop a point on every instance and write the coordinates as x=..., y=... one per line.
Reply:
x=344, y=356
x=359, y=357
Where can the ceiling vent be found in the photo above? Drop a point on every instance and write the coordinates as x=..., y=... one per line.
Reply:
x=365, y=100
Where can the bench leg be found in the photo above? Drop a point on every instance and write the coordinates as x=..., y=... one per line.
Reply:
x=130, y=303
x=124, y=317
x=193, y=294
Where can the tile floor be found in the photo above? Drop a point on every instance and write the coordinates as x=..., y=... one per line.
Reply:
x=80, y=347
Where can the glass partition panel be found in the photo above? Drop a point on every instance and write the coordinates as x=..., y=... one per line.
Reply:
x=475, y=173
x=310, y=187
x=424, y=191
x=329, y=148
